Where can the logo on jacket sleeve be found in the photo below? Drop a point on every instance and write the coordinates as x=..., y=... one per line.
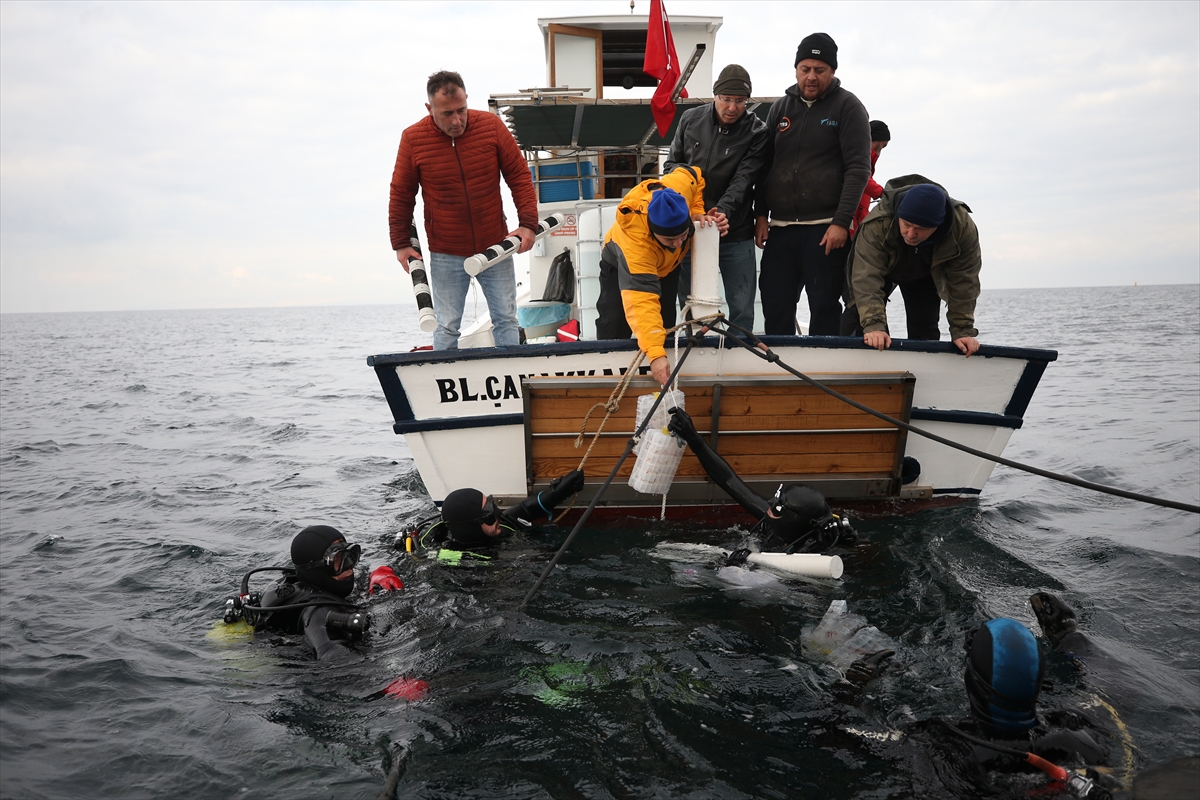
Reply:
x=784, y=124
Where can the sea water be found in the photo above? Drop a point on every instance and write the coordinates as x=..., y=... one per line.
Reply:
x=149, y=459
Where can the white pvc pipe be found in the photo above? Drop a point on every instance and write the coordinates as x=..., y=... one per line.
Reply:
x=498, y=252
x=809, y=564
x=705, y=298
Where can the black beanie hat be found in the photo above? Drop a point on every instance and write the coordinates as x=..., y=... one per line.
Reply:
x=924, y=205
x=879, y=131
x=310, y=546
x=819, y=46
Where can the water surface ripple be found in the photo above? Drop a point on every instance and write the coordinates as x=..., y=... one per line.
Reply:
x=148, y=459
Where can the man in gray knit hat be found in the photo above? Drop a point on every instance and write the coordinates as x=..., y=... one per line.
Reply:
x=728, y=144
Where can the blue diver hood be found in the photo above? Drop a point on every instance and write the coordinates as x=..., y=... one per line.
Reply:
x=1003, y=675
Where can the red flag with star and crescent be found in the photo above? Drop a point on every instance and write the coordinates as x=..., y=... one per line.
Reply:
x=662, y=62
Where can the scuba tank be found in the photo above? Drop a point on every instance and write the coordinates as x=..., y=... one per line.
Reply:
x=345, y=618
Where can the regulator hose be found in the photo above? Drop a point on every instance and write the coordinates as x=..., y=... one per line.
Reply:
x=1080, y=785
x=755, y=345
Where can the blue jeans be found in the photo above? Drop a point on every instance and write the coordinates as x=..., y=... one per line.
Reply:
x=737, y=274
x=450, y=284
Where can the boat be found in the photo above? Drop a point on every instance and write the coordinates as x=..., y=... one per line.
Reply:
x=508, y=420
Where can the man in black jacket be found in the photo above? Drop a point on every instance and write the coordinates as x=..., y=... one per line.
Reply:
x=728, y=144
x=819, y=156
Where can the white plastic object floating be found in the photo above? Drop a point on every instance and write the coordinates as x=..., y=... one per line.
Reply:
x=416, y=268
x=498, y=252
x=835, y=628
x=662, y=416
x=864, y=642
x=661, y=453
x=811, y=565
x=706, y=271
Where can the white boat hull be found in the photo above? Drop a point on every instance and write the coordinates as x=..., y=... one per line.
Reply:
x=462, y=412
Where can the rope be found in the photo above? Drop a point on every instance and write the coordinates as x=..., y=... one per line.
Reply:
x=613, y=404
x=611, y=475
x=610, y=407
x=762, y=351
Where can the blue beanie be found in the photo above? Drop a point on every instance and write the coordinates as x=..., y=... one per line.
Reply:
x=669, y=213
x=924, y=205
x=1004, y=675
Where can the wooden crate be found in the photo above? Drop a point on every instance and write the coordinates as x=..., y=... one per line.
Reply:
x=769, y=428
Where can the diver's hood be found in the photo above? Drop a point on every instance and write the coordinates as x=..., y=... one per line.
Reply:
x=462, y=512
x=799, y=510
x=1003, y=675
x=309, y=548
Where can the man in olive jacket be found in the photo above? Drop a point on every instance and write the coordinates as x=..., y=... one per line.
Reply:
x=924, y=241
x=728, y=143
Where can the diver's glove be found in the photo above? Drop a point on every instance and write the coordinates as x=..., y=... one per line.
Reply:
x=737, y=558
x=411, y=689
x=1056, y=618
x=561, y=488
x=681, y=424
x=385, y=579
x=869, y=667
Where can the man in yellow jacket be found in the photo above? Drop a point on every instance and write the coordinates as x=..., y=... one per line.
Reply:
x=639, y=265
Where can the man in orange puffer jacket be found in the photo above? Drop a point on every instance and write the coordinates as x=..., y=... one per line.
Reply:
x=456, y=156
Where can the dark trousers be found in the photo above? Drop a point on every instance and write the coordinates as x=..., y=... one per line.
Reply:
x=795, y=260
x=610, y=311
x=922, y=307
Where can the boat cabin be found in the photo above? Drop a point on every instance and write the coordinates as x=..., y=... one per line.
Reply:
x=588, y=140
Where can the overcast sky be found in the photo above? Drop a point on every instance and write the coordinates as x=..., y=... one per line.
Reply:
x=195, y=155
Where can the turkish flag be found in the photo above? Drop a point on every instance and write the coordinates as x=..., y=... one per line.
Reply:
x=661, y=62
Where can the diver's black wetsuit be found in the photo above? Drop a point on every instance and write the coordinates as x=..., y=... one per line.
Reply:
x=312, y=597
x=1003, y=677
x=941, y=763
x=798, y=519
x=320, y=614
x=460, y=530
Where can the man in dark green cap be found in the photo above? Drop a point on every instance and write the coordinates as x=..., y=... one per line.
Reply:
x=729, y=146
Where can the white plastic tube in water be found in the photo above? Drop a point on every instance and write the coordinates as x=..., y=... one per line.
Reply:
x=498, y=252
x=811, y=565
x=654, y=471
x=705, y=298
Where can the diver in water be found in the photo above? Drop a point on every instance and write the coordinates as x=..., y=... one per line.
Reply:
x=471, y=521
x=994, y=751
x=796, y=520
x=313, y=597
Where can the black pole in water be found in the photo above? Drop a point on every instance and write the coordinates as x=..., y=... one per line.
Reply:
x=588, y=511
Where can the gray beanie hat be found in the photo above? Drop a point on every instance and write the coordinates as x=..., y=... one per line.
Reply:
x=734, y=81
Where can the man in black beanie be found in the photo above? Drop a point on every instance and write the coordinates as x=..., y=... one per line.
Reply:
x=728, y=142
x=923, y=241
x=819, y=156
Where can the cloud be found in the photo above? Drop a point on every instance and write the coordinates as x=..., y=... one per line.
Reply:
x=171, y=155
